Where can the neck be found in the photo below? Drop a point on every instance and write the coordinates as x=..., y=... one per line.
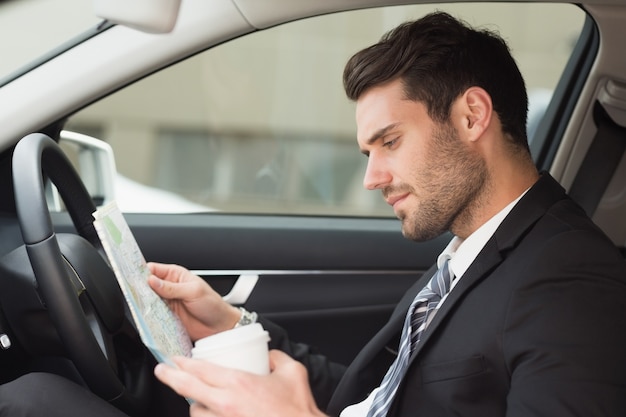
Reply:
x=501, y=187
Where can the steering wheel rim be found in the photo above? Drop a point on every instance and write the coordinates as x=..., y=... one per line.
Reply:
x=34, y=156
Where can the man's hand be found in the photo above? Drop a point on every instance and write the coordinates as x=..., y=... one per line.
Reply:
x=202, y=311
x=218, y=391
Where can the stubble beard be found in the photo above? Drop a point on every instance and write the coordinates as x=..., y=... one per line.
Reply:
x=451, y=188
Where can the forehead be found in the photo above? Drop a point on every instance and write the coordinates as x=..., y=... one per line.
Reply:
x=386, y=105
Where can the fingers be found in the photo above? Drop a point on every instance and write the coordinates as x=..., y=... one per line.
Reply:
x=164, y=289
x=184, y=383
x=169, y=272
x=199, y=410
x=209, y=386
x=184, y=368
x=158, y=286
x=223, y=392
x=174, y=282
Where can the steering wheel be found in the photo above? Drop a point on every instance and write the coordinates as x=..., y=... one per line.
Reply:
x=76, y=284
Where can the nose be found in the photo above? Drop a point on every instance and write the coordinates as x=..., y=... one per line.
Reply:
x=376, y=176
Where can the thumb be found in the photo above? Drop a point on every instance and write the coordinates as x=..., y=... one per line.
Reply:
x=278, y=359
x=184, y=291
x=164, y=289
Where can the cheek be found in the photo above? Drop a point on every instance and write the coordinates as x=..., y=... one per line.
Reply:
x=416, y=168
x=426, y=173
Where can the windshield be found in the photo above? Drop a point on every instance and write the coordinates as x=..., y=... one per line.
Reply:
x=30, y=28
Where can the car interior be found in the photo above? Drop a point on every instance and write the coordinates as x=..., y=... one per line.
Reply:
x=229, y=122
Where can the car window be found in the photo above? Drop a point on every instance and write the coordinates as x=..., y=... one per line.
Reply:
x=50, y=24
x=261, y=124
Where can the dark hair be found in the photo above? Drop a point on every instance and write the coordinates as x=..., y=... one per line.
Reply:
x=438, y=58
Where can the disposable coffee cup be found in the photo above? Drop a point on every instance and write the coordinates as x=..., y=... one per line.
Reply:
x=244, y=348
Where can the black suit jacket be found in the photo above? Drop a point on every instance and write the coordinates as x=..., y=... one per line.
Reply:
x=535, y=327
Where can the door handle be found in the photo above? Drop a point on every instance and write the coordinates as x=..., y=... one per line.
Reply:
x=239, y=294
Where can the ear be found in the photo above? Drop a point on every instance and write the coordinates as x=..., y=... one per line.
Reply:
x=476, y=111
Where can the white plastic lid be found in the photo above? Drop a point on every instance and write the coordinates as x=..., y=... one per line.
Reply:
x=237, y=336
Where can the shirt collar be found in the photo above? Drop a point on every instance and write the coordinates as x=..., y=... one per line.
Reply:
x=462, y=253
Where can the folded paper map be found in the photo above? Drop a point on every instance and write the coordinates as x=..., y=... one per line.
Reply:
x=159, y=328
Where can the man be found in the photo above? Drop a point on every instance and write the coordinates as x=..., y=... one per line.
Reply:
x=535, y=320
x=525, y=313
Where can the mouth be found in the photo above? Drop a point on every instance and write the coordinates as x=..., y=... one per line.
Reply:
x=395, y=199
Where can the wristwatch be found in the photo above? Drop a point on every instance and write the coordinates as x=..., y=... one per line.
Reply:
x=246, y=318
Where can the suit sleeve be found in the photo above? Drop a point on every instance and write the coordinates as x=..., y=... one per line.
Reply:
x=565, y=336
x=324, y=375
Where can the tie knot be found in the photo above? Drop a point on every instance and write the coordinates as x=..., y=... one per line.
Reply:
x=440, y=282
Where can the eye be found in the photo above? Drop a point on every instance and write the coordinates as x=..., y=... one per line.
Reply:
x=390, y=143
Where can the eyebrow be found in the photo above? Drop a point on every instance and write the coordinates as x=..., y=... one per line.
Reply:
x=379, y=134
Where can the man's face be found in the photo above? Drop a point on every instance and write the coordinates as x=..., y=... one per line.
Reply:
x=426, y=172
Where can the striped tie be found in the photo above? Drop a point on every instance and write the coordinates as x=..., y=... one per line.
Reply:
x=420, y=313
